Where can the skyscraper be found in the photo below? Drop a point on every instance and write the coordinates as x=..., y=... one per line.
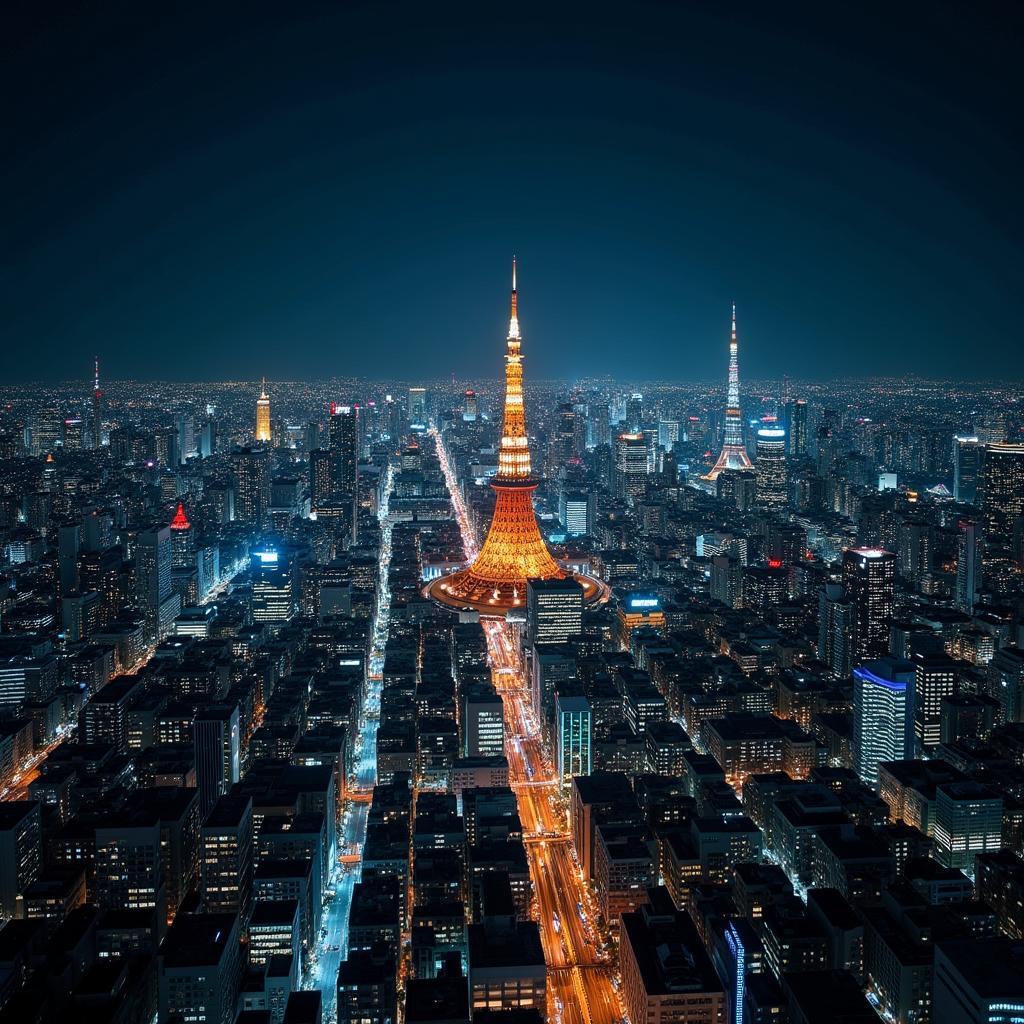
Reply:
x=635, y=413
x=263, y=415
x=631, y=465
x=869, y=580
x=772, y=476
x=734, y=452
x=573, y=737
x=968, y=455
x=252, y=485
x=1003, y=498
x=968, y=565
x=153, y=559
x=418, y=408
x=344, y=441
x=883, y=715
x=182, y=540
x=469, y=406
x=514, y=550
x=934, y=680
x=796, y=423
x=97, y=406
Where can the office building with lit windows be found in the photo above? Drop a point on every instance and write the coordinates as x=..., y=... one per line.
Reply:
x=968, y=821
x=796, y=428
x=968, y=460
x=573, y=737
x=1002, y=501
x=667, y=977
x=883, y=715
x=273, y=588
x=631, y=466
x=482, y=721
x=772, y=474
x=251, y=468
x=418, y=408
x=978, y=981
x=554, y=610
x=869, y=581
x=935, y=680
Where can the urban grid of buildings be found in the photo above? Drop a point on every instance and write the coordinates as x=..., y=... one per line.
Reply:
x=368, y=703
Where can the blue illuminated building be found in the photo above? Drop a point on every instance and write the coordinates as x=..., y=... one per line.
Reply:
x=883, y=715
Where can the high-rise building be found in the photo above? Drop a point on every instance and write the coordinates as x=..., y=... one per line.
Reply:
x=482, y=721
x=97, y=406
x=185, y=428
x=883, y=715
x=734, y=451
x=935, y=679
x=200, y=969
x=631, y=466
x=836, y=630
x=727, y=580
x=772, y=475
x=977, y=981
x=226, y=856
x=182, y=540
x=514, y=550
x=251, y=468
x=796, y=428
x=668, y=433
x=1003, y=491
x=418, y=408
x=321, y=487
x=635, y=413
x=968, y=821
x=21, y=852
x=573, y=737
x=667, y=976
x=217, y=739
x=869, y=580
x=273, y=588
x=968, y=457
x=576, y=511
x=554, y=610
x=69, y=542
x=263, y=433
x=153, y=562
x=968, y=565
x=345, y=445
x=129, y=863
x=470, y=409
x=48, y=434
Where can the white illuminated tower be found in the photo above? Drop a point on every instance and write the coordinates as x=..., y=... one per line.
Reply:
x=734, y=452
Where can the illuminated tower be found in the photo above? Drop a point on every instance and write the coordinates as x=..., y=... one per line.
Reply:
x=734, y=453
x=514, y=551
x=97, y=405
x=263, y=414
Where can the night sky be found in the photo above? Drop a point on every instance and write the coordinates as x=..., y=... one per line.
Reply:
x=330, y=190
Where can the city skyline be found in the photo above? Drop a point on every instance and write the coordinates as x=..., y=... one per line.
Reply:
x=673, y=676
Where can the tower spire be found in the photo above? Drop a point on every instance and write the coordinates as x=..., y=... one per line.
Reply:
x=96, y=374
x=513, y=321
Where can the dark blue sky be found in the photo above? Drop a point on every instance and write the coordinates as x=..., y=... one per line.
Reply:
x=337, y=189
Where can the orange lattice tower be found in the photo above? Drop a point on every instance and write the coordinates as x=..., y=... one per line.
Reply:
x=514, y=551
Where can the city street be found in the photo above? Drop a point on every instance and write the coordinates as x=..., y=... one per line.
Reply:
x=332, y=941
